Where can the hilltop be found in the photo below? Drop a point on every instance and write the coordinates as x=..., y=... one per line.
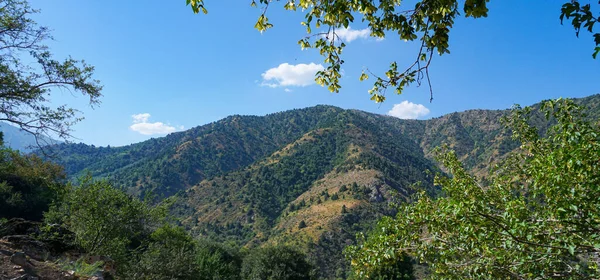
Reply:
x=309, y=177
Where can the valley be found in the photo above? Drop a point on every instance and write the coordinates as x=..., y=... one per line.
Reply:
x=311, y=178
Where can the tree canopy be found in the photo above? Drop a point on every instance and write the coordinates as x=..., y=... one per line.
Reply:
x=28, y=185
x=428, y=22
x=29, y=73
x=536, y=218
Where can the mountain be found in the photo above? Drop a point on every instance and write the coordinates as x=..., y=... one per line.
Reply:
x=18, y=139
x=310, y=177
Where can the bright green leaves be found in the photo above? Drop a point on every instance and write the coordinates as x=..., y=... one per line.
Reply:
x=304, y=44
x=581, y=17
x=597, y=41
x=197, y=6
x=105, y=220
x=537, y=218
x=262, y=24
x=476, y=8
x=428, y=22
x=330, y=77
x=363, y=76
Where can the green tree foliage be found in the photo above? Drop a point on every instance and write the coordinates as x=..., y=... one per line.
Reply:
x=398, y=268
x=106, y=221
x=276, y=263
x=302, y=224
x=28, y=185
x=428, y=22
x=170, y=254
x=537, y=218
x=582, y=16
x=217, y=262
x=28, y=73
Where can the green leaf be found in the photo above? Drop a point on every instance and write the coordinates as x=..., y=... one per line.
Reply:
x=363, y=76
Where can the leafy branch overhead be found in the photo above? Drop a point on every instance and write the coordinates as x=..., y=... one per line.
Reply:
x=29, y=73
x=429, y=22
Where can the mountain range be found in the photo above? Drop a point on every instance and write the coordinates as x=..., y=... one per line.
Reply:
x=311, y=178
x=17, y=139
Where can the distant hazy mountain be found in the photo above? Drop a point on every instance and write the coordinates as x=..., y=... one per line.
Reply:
x=309, y=177
x=18, y=139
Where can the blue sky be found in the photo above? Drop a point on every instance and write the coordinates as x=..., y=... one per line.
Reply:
x=164, y=68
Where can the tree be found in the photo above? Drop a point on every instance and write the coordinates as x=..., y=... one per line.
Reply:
x=302, y=224
x=429, y=22
x=28, y=185
x=539, y=216
x=275, y=263
x=105, y=220
x=28, y=74
x=215, y=261
x=170, y=254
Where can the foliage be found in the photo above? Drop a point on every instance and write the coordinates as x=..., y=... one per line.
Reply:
x=180, y=160
x=170, y=164
x=249, y=171
x=81, y=268
x=582, y=15
x=217, y=262
x=106, y=221
x=28, y=73
x=398, y=268
x=537, y=218
x=28, y=185
x=275, y=263
x=170, y=254
x=428, y=22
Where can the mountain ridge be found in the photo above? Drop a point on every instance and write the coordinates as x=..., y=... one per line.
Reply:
x=17, y=139
x=310, y=177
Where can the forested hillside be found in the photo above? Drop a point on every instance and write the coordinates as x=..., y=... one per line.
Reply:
x=182, y=159
x=311, y=178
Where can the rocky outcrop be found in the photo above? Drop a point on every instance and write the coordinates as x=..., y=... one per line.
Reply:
x=32, y=251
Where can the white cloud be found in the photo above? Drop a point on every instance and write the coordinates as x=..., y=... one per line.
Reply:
x=287, y=90
x=285, y=75
x=408, y=110
x=140, y=118
x=348, y=34
x=141, y=125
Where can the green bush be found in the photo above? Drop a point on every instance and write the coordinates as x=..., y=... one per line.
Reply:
x=169, y=254
x=28, y=185
x=106, y=221
x=217, y=262
x=276, y=263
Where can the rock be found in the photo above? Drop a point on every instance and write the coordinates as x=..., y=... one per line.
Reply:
x=58, y=239
x=68, y=275
x=375, y=194
x=30, y=246
x=6, y=252
x=18, y=226
x=19, y=258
